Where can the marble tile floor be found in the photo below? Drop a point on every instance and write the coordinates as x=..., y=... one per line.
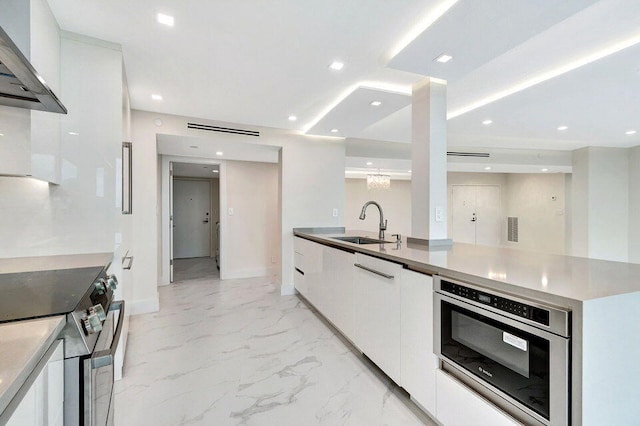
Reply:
x=235, y=352
x=194, y=268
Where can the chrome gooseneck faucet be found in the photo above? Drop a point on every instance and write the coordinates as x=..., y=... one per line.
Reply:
x=383, y=222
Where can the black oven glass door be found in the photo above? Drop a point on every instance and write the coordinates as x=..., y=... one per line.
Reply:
x=512, y=360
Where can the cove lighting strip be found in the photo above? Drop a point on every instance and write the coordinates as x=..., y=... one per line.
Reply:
x=375, y=85
x=421, y=26
x=546, y=76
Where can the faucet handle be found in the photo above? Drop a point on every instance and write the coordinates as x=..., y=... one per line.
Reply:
x=398, y=237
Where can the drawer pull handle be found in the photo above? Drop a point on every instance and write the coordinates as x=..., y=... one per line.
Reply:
x=373, y=271
x=299, y=271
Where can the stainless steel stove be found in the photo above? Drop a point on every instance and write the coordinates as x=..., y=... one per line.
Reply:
x=91, y=334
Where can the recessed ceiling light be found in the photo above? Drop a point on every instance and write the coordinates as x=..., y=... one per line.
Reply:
x=219, y=153
x=334, y=130
x=369, y=163
x=488, y=168
x=408, y=171
x=193, y=146
x=487, y=122
x=561, y=128
x=1, y=134
x=336, y=65
x=292, y=118
x=215, y=171
x=73, y=133
x=165, y=19
x=444, y=58
x=156, y=97
x=376, y=103
x=545, y=170
x=630, y=132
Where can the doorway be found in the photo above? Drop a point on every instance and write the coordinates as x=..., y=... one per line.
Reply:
x=191, y=218
x=195, y=213
x=475, y=214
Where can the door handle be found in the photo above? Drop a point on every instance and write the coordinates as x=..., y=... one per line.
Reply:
x=105, y=357
x=205, y=221
x=474, y=218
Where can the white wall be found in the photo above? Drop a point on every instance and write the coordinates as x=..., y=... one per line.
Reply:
x=311, y=185
x=541, y=220
x=79, y=215
x=527, y=196
x=253, y=237
x=395, y=203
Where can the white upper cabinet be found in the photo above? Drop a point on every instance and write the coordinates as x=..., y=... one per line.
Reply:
x=31, y=139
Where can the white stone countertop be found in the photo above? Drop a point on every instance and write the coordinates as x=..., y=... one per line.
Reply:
x=22, y=345
x=46, y=263
x=557, y=279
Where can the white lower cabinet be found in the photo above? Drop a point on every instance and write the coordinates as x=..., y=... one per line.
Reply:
x=457, y=405
x=337, y=285
x=419, y=363
x=377, y=312
x=42, y=404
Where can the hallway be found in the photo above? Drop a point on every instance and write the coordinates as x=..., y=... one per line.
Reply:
x=235, y=352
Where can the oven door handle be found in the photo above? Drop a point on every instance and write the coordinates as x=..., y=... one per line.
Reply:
x=103, y=358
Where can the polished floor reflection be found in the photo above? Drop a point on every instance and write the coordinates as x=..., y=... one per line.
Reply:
x=235, y=352
x=194, y=268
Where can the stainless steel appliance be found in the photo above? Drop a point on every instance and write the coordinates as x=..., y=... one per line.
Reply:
x=90, y=335
x=515, y=352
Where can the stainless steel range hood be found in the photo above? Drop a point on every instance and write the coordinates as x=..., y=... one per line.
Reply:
x=20, y=84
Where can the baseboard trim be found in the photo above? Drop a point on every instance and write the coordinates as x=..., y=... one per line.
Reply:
x=247, y=273
x=288, y=290
x=145, y=306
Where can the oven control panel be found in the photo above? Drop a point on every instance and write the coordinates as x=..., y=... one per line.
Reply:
x=519, y=309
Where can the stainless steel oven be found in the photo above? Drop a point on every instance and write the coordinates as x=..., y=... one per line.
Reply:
x=515, y=352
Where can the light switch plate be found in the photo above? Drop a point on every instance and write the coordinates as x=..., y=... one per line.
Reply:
x=230, y=211
x=335, y=212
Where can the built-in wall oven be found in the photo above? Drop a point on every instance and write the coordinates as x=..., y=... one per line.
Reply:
x=515, y=352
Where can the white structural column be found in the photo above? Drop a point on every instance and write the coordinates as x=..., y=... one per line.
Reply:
x=600, y=198
x=429, y=162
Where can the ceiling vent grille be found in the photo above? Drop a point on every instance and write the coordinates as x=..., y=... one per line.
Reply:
x=468, y=154
x=223, y=129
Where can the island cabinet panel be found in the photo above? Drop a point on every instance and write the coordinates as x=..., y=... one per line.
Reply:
x=377, y=312
x=308, y=264
x=457, y=405
x=338, y=296
x=41, y=402
x=418, y=362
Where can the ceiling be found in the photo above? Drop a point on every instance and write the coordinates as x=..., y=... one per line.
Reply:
x=192, y=170
x=530, y=66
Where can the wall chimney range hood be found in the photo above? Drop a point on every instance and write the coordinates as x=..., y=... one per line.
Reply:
x=20, y=84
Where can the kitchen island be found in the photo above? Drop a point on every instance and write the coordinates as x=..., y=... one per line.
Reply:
x=601, y=296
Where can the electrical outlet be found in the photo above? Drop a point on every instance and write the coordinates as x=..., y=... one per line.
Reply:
x=335, y=212
x=439, y=214
x=230, y=211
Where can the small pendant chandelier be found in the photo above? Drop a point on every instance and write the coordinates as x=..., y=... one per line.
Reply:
x=378, y=181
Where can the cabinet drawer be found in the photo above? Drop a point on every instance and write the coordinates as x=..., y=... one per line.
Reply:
x=457, y=405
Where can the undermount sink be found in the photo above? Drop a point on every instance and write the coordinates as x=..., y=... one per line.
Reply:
x=360, y=240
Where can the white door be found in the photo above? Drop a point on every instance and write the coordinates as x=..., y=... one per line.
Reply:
x=488, y=215
x=191, y=217
x=475, y=214
x=463, y=229
x=171, y=224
